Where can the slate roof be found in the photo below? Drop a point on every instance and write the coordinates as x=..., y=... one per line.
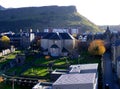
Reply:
x=41, y=34
x=117, y=42
x=89, y=36
x=64, y=50
x=57, y=36
x=99, y=36
x=65, y=36
x=48, y=35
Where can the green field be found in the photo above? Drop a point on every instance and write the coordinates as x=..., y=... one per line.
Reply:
x=36, y=71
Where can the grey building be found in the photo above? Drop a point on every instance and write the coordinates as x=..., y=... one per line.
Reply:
x=83, y=76
x=58, y=44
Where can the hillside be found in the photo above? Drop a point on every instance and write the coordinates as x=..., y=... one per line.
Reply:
x=2, y=8
x=44, y=17
x=111, y=27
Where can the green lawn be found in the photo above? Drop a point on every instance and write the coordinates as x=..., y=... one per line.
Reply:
x=29, y=58
x=61, y=61
x=43, y=61
x=57, y=63
x=8, y=57
x=36, y=71
x=15, y=70
x=11, y=56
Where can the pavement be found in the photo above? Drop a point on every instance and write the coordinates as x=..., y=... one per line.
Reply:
x=109, y=77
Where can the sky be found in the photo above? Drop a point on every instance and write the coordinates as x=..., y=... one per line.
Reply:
x=100, y=12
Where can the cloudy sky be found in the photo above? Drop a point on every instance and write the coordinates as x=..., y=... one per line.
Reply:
x=100, y=12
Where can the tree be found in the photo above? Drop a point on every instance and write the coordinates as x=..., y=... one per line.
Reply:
x=97, y=47
x=5, y=41
x=35, y=45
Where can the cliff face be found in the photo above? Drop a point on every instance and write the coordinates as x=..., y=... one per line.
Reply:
x=44, y=17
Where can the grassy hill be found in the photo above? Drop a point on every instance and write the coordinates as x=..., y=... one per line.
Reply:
x=44, y=17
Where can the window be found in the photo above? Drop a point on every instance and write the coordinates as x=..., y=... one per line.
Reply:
x=55, y=41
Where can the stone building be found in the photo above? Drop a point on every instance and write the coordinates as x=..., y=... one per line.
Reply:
x=58, y=44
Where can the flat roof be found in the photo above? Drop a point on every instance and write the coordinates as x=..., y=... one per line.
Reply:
x=60, y=71
x=79, y=74
x=81, y=68
x=67, y=79
x=86, y=66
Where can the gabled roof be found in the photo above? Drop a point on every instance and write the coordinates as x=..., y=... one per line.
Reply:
x=54, y=46
x=64, y=50
x=65, y=36
x=41, y=34
x=55, y=36
x=58, y=36
x=48, y=35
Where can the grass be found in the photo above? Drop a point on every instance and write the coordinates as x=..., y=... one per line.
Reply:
x=11, y=56
x=61, y=61
x=8, y=57
x=37, y=71
x=29, y=58
x=57, y=63
x=15, y=70
x=43, y=61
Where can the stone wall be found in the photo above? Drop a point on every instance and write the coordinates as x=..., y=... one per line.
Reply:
x=6, y=51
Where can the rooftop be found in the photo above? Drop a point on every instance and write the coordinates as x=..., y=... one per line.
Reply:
x=57, y=36
x=60, y=71
x=78, y=74
x=84, y=68
x=75, y=79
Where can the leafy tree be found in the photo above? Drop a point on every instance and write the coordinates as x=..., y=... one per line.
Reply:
x=5, y=41
x=97, y=47
x=36, y=44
